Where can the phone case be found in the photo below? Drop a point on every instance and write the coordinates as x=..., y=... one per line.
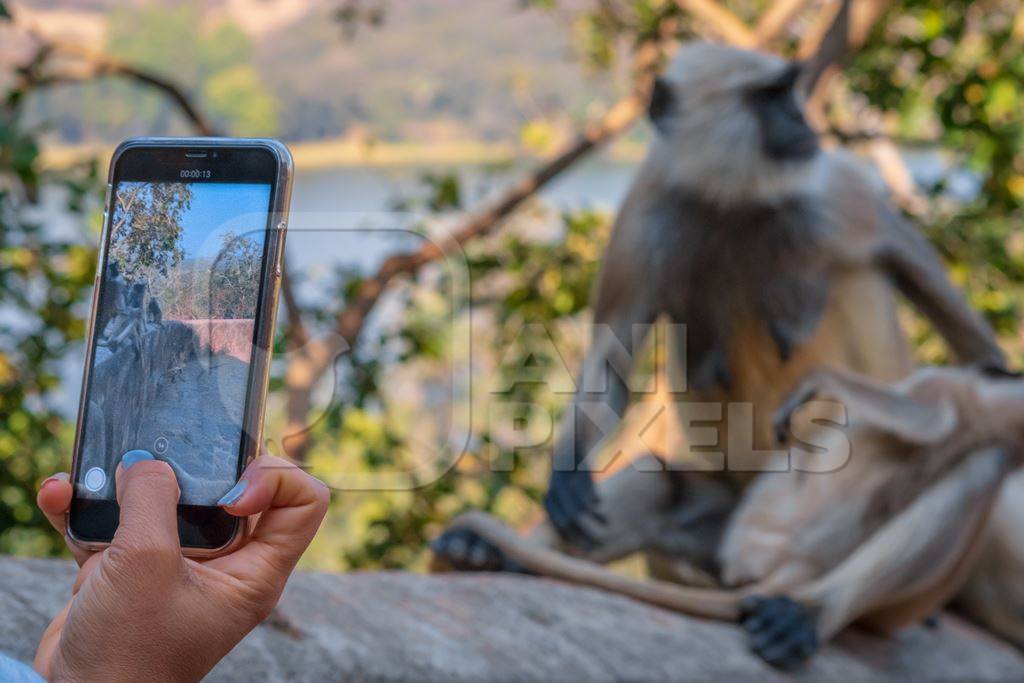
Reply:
x=259, y=375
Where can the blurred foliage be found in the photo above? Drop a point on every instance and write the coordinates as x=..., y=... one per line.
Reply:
x=44, y=282
x=519, y=279
x=953, y=73
x=608, y=28
x=147, y=228
x=202, y=287
x=240, y=102
x=216, y=59
x=234, y=280
x=946, y=72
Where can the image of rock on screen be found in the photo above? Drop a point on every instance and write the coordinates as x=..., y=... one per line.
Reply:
x=174, y=332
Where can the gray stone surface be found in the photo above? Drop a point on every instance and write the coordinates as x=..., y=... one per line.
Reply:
x=406, y=627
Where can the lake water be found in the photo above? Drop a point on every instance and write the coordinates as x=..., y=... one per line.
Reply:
x=598, y=183
x=346, y=217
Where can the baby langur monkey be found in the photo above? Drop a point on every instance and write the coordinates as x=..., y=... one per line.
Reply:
x=928, y=460
x=153, y=313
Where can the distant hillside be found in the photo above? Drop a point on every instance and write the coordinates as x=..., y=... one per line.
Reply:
x=436, y=71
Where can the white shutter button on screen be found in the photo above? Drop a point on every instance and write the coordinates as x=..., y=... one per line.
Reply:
x=94, y=479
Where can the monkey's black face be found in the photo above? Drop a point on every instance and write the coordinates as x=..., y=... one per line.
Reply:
x=785, y=134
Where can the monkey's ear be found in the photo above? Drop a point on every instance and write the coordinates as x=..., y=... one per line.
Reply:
x=834, y=49
x=661, y=104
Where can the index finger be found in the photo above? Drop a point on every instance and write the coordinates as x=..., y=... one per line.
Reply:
x=291, y=505
x=54, y=500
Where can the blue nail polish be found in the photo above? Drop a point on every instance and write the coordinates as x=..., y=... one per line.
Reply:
x=132, y=457
x=232, y=496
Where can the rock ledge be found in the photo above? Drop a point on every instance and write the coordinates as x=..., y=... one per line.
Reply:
x=393, y=626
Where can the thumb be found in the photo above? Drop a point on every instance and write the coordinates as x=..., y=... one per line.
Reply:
x=147, y=492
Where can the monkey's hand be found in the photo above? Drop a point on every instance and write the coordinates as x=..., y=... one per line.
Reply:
x=572, y=506
x=781, y=631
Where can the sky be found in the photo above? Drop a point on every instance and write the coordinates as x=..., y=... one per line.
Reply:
x=219, y=208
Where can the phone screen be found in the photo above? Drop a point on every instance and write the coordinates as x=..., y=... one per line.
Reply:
x=173, y=336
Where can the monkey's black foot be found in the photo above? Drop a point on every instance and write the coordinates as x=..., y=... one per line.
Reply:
x=467, y=551
x=573, y=508
x=781, y=631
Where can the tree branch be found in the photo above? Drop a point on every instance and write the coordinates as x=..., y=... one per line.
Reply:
x=295, y=330
x=88, y=65
x=775, y=19
x=734, y=30
x=723, y=22
x=864, y=14
x=862, y=135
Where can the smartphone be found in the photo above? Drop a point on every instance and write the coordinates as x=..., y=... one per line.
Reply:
x=182, y=324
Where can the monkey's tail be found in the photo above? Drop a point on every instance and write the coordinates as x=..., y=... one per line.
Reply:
x=700, y=602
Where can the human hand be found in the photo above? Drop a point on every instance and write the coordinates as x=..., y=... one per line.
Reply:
x=140, y=610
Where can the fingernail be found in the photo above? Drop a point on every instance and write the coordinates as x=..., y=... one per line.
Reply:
x=132, y=457
x=47, y=482
x=232, y=496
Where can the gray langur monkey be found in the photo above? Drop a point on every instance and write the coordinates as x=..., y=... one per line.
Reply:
x=779, y=258
x=113, y=298
x=130, y=323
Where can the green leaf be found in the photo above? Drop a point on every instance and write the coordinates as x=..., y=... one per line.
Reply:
x=5, y=14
